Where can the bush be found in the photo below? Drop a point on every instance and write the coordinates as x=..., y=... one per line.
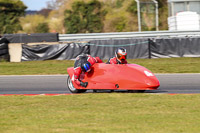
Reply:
x=84, y=17
x=10, y=11
x=42, y=28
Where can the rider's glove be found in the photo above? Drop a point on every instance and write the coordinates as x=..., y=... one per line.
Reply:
x=84, y=84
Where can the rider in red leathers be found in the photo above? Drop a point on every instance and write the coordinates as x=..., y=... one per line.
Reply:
x=83, y=64
x=120, y=57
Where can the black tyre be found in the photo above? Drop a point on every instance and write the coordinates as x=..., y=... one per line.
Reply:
x=136, y=91
x=72, y=88
x=141, y=91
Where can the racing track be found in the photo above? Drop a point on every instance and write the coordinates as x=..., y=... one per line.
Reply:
x=56, y=84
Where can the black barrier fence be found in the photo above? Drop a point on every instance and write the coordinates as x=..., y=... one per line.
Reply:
x=53, y=52
x=31, y=38
x=4, y=54
x=175, y=47
x=136, y=48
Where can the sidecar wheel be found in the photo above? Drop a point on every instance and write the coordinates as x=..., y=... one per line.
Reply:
x=72, y=89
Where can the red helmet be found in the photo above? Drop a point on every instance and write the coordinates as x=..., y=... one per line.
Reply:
x=121, y=54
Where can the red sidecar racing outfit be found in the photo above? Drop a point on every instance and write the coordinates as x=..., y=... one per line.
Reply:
x=81, y=59
x=114, y=60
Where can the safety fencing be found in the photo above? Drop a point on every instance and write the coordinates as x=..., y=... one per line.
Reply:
x=4, y=54
x=185, y=44
x=136, y=48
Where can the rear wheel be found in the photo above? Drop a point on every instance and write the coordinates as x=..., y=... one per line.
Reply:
x=72, y=88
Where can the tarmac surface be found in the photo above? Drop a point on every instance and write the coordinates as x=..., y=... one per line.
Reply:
x=57, y=84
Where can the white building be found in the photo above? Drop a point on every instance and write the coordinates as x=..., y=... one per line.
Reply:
x=184, y=15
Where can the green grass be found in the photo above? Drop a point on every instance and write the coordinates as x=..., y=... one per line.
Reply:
x=161, y=65
x=100, y=113
x=35, y=67
x=170, y=65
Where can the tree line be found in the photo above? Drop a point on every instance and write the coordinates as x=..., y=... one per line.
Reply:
x=79, y=16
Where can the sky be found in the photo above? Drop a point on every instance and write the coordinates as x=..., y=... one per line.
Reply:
x=35, y=4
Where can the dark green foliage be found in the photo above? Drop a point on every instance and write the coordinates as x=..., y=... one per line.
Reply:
x=132, y=8
x=10, y=11
x=162, y=3
x=119, y=3
x=119, y=24
x=84, y=17
x=42, y=28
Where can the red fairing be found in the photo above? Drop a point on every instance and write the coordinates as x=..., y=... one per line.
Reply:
x=118, y=77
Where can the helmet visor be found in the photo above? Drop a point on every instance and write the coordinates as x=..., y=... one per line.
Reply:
x=86, y=67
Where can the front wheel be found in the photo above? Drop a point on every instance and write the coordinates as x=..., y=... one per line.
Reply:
x=72, y=89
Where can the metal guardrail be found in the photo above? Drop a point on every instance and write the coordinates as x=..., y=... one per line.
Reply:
x=122, y=35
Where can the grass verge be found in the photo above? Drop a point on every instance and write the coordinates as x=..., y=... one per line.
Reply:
x=100, y=113
x=161, y=65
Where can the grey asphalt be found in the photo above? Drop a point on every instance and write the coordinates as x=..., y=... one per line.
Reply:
x=56, y=84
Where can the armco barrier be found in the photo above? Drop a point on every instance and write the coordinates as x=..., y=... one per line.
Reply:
x=125, y=35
